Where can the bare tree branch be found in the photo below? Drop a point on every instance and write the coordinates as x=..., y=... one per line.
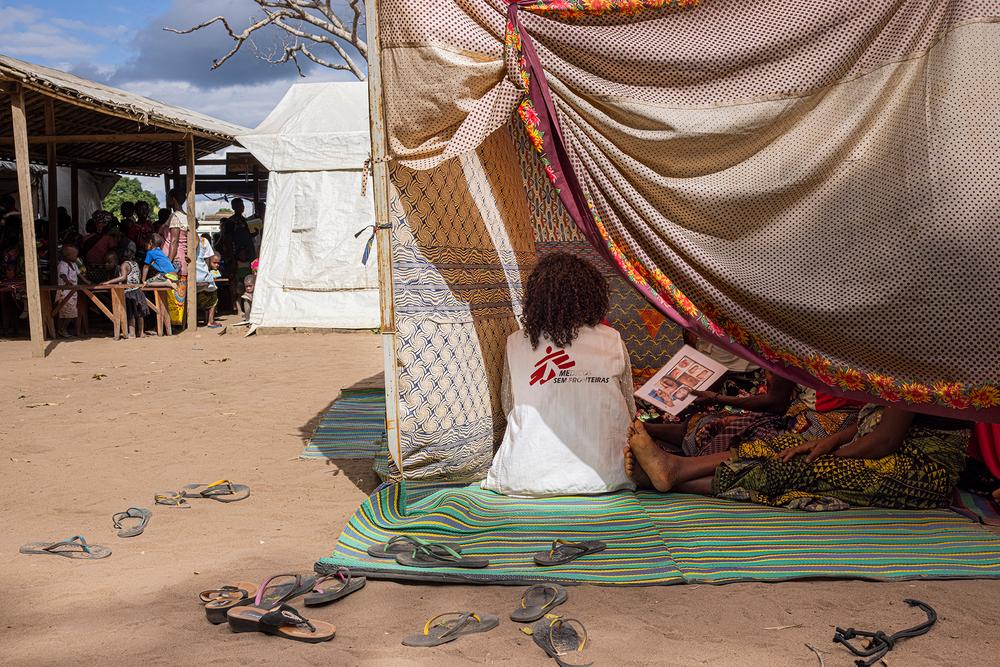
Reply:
x=297, y=18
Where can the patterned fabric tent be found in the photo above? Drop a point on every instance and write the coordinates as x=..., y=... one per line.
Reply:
x=809, y=185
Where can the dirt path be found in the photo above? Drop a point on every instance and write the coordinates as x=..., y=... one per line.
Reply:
x=135, y=417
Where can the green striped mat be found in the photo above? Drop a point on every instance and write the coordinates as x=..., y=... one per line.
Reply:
x=352, y=428
x=656, y=539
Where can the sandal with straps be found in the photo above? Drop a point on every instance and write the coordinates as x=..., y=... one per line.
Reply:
x=439, y=555
x=406, y=544
x=449, y=626
x=284, y=621
x=559, y=636
x=221, y=490
x=75, y=547
x=537, y=601
x=171, y=499
x=328, y=594
x=218, y=601
x=140, y=513
x=564, y=551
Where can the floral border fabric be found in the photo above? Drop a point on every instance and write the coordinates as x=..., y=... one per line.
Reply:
x=653, y=283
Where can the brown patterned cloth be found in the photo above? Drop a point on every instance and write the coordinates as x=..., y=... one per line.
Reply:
x=800, y=168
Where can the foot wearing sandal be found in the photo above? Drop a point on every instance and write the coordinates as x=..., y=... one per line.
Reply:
x=538, y=601
x=564, y=551
x=284, y=621
x=334, y=587
x=450, y=626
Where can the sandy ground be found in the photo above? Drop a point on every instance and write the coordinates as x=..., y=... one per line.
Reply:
x=135, y=417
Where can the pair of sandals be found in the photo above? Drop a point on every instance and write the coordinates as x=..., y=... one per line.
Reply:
x=264, y=608
x=556, y=635
x=416, y=552
x=77, y=547
x=221, y=490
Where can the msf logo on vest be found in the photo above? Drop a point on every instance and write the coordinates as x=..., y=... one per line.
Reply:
x=544, y=371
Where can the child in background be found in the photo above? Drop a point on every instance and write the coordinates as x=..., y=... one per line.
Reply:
x=246, y=299
x=68, y=275
x=135, y=303
x=163, y=274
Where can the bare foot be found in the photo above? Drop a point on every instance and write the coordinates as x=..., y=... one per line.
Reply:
x=657, y=464
x=635, y=472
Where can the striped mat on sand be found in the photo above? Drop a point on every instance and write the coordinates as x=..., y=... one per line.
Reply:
x=352, y=428
x=658, y=539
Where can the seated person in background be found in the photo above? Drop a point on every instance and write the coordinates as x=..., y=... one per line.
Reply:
x=136, y=308
x=709, y=432
x=567, y=389
x=889, y=458
x=246, y=299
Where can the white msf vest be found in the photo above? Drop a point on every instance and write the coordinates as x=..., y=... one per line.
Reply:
x=569, y=417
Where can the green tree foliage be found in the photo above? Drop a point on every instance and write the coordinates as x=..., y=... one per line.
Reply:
x=129, y=189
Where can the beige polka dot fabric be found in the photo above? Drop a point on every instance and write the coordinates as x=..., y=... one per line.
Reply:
x=826, y=175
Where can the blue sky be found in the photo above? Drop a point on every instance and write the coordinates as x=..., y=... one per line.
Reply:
x=123, y=44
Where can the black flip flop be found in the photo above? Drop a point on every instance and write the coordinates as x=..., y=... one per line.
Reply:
x=563, y=552
x=537, y=601
x=449, y=626
x=328, y=594
x=426, y=556
x=558, y=637
x=405, y=544
x=271, y=596
x=141, y=513
x=283, y=621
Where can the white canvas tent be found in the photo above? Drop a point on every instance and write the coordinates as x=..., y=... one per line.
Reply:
x=315, y=143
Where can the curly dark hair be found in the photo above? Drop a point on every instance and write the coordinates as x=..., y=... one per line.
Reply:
x=563, y=293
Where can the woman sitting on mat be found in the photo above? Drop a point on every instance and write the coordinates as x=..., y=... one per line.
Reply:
x=566, y=390
x=889, y=458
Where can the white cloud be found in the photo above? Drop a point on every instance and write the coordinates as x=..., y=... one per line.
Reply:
x=29, y=33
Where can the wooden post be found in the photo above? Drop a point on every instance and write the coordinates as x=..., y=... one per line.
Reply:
x=50, y=129
x=19, y=122
x=74, y=195
x=166, y=187
x=383, y=230
x=191, y=300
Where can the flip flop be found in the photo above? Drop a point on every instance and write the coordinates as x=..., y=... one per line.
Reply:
x=328, y=594
x=537, y=601
x=141, y=513
x=564, y=551
x=449, y=626
x=270, y=595
x=406, y=544
x=284, y=621
x=219, y=601
x=439, y=556
x=222, y=490
x=171, y=499
x=559, y=636
x=75, y=547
